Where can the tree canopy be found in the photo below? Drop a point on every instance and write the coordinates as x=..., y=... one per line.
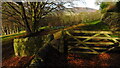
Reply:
x=29, y=14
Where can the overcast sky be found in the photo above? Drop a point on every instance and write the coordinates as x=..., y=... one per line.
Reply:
x=85, y=3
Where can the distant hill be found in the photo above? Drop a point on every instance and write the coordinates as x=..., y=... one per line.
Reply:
x=80, y=9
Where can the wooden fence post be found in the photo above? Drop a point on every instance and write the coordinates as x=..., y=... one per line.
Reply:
x=65, y=43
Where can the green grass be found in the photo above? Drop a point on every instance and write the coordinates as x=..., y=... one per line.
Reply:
x=54, y=27
x=96, y=25
x=93, y=22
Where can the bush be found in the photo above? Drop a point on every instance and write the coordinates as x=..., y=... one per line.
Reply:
x=112, y=19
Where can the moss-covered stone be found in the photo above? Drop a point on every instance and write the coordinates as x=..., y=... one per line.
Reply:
x=28, y=46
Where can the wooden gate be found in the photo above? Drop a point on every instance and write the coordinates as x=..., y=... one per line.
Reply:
x=91, y=42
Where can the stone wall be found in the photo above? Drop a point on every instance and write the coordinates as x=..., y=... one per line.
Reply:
x=28, y=46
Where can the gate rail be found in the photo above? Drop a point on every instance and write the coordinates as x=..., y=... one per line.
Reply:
x=91, y=40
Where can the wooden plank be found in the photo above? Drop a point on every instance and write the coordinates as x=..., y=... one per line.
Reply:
x=110, y=36
x=101, y=43
x=99, y=48
x=74, y=26
x=83, y=52
x=96, y=37
x=90, y=38
x=57, y=35
x=80, y=41
x=109, y=49
x=101, y=32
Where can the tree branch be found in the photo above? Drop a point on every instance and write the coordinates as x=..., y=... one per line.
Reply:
x=13, y=8
x=24, y=17
x=12, y=15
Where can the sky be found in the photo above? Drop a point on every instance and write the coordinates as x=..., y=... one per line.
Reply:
x=85, y=3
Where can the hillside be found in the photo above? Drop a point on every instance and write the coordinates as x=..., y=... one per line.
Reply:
x=80, y=9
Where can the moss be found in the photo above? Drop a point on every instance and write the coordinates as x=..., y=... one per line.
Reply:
x=30, y=45
x=27, y=46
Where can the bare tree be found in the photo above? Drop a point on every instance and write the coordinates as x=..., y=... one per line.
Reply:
x=29, y=14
